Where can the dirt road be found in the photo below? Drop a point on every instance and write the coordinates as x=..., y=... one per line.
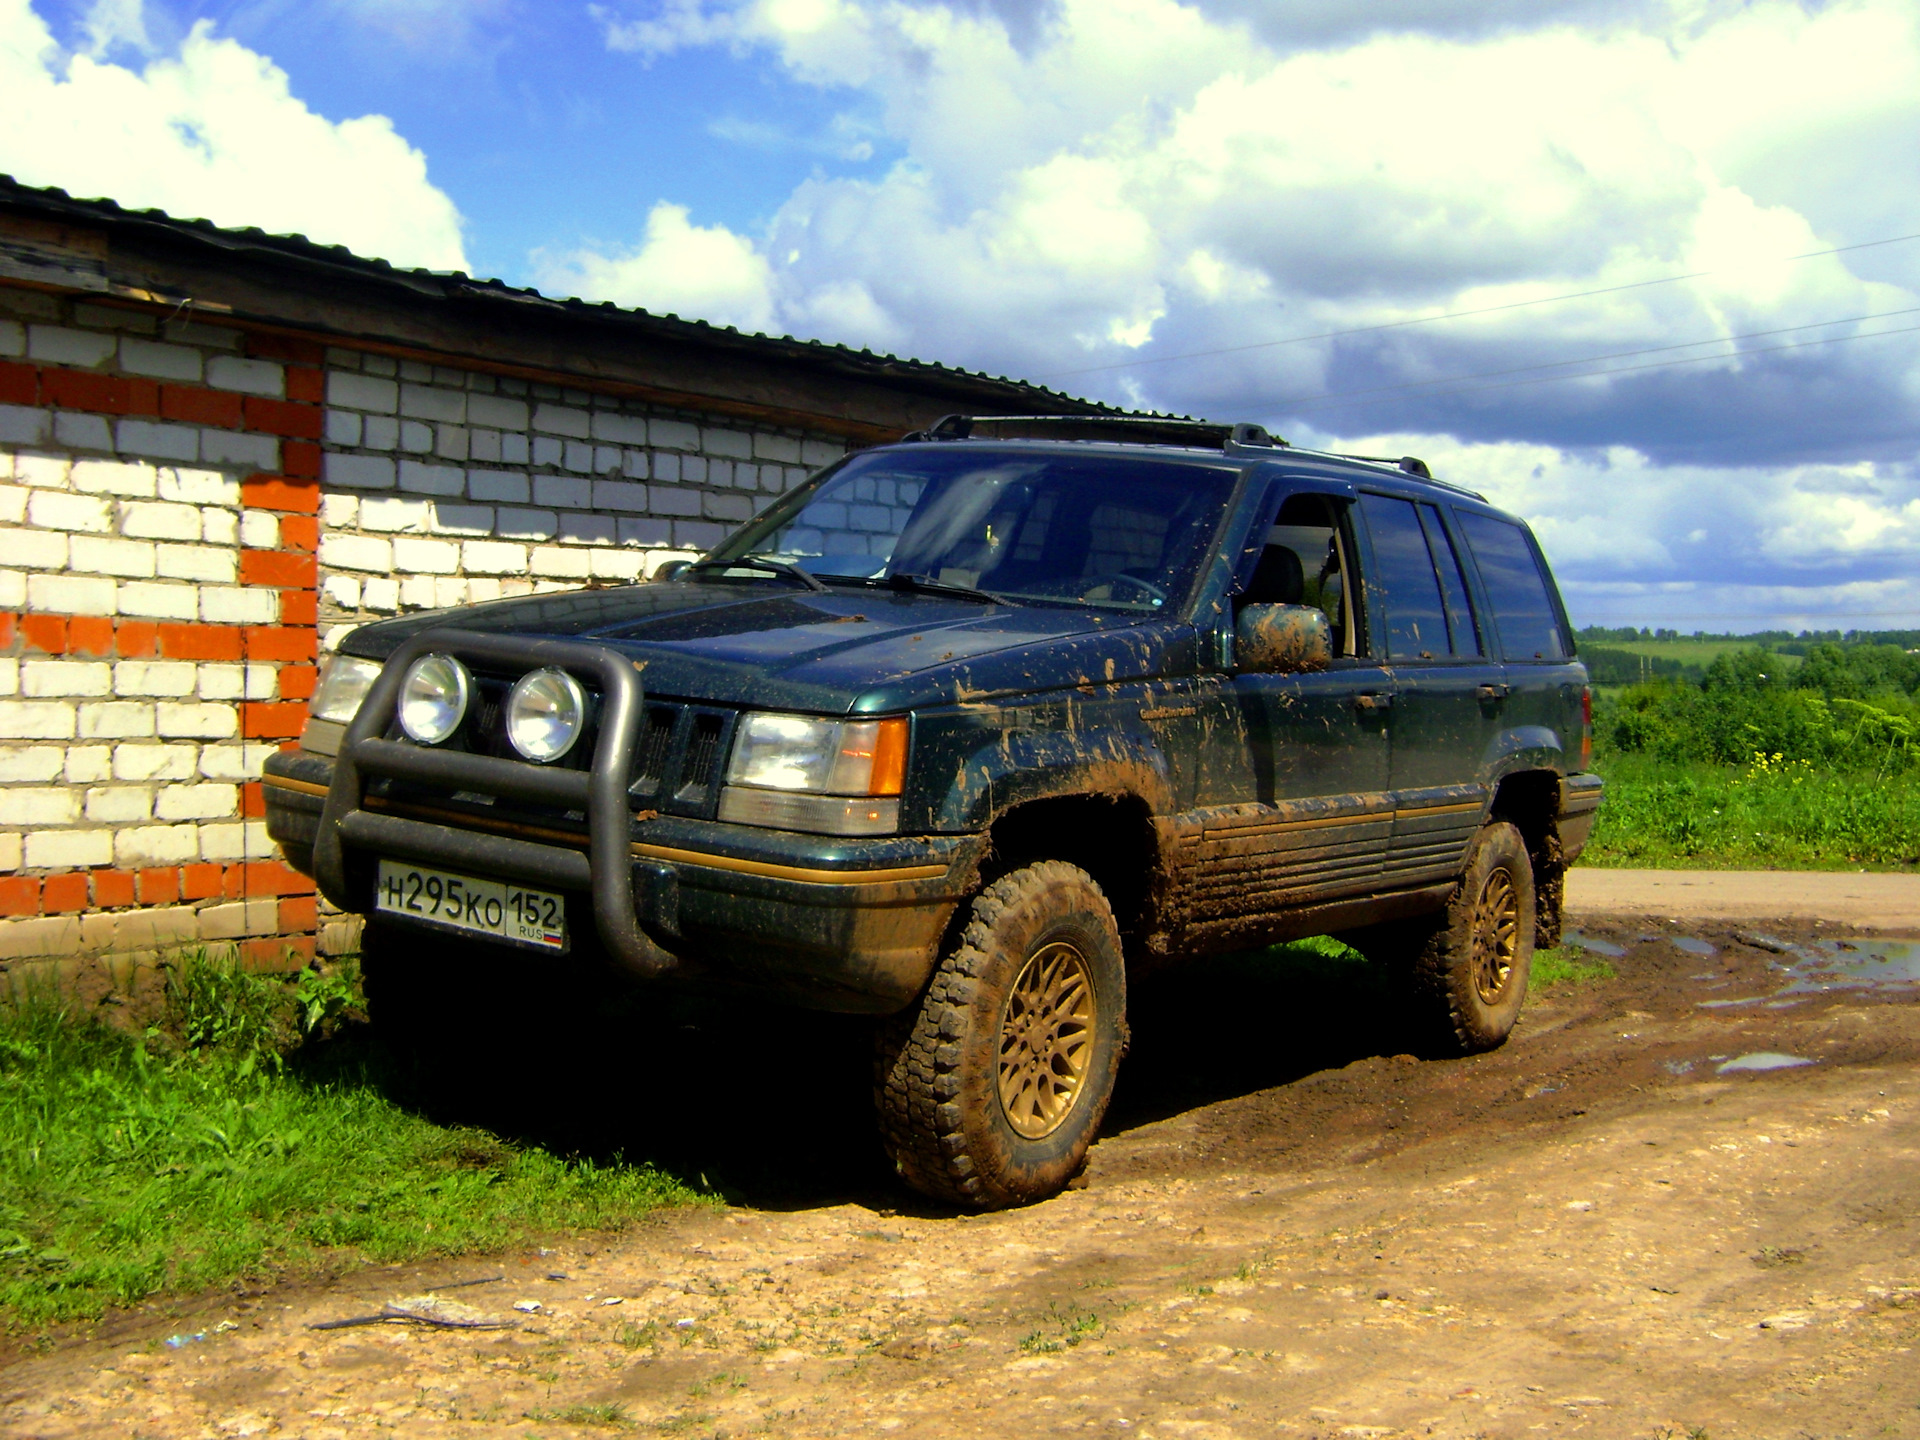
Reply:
x=1613, y=1227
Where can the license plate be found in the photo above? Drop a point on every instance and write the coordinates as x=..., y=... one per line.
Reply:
x=482, y=907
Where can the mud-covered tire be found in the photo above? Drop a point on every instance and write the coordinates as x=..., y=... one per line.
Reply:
x=938, y=1068
x=1470, y=971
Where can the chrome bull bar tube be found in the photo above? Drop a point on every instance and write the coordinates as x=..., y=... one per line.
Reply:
x=607, y=871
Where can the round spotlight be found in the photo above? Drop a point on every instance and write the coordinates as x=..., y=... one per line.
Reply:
x=545, y=714
x=433, y=698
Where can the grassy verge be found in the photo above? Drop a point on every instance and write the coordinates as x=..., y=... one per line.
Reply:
x=218, y=1148
x=1560, y=967
x=1786, y=815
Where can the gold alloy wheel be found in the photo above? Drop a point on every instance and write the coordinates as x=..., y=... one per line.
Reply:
x=1496, y=936
x=1046, y=1040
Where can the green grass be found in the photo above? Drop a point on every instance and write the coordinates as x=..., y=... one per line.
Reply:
x=1792, y=816
x=1557, y=967
x=1688, y=652
x=216, y=1148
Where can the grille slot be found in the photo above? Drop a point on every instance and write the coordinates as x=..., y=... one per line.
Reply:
x=703, y=754
x=681, y=751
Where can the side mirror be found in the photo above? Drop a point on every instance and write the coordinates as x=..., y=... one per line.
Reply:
x=672, y=570
x=1282, y=639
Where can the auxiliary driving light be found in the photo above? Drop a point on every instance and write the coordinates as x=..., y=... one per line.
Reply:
x=545, y=714
x=433, y=698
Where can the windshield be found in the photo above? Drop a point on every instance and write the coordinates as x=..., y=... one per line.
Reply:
x=1083, y=529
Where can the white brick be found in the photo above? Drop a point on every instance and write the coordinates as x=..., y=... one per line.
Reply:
x=219, y=526
x=97, y=555
x=230, y=447
x=341, y=590
x=562, y=420
x=563, y=491
x=263, y=681
x=673, y=435
x=165, y=362
x=154, y=600
x=207, y=563
x=619, y=495
x=734, y=444
x=154, y=762
x=237, y=605
x=9, y=677
x=157, y=845
x=527, y=525
x=645, y=532
x=638, y=465
x=619, y=429
x=479, y=590
x=498, y=411
x=430, y=402
x=34, y=805
x=618, y=564
x=490, y=557
x=36, y=720
x=13, y=498
x=343, y=428
x=162, y=442
x=356, y=552
x=381, y=595
x=176, y=719
x=339, y=512
x=197, y=487
x=115, y=477
x=425, y=479
x=250, y=377
x=776, y=447
x=579, y=457
x=219, y=682
x=450, y=442
x=11, y=853
x=59, y=510
x=115, y=720
x=57, y=345
x=69, y=849
x=483, y=445
x=33, y=549
x=259, y=530
x=70, y=594
x=13, y=338
x=673, y=500
x=43, y=472
x=159, y=520
x=379, y=432
x=362, y=392
x=197, y=802
x=815, y=453
x=239, y=919
x=693, y=468
x=360, y=472
x=581, y=529
x=449, y=518
x=88, y=763
x=30, y=763
x=22, y=426
x=606, y=459
x=416, y=438
x=425, y=557
x=82, y=432
x=501, y=485
x=552, y=561
x=154, y=677
x=234, y=762
x=394, y=512
x=449, y=591
x=416, y=592
x=45, y=679
x=120, y=805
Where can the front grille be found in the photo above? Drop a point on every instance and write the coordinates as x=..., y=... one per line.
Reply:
x=682, y=751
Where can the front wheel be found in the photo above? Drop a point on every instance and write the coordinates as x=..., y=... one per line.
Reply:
x=991, y=1091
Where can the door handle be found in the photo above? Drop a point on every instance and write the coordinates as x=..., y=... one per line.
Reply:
x=1373, y=702
x=1493, y=692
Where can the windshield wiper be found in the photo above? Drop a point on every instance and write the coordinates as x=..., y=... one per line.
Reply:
x=919, y=584
x=759, y=562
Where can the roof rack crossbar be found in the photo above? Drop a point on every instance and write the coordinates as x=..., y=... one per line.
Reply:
x=1137, y=429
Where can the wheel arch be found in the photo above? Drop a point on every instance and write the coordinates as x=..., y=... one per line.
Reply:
x=1111, y=836
x=1530, y=801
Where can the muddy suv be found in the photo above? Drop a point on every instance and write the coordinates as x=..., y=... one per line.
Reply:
x=967, y=732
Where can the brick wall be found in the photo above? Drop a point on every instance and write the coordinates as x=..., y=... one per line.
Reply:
x=188, y=508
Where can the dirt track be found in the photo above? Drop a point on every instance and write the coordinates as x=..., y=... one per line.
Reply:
x=1290, y=1230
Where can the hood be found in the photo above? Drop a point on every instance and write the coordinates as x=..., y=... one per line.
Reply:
x=870, y=651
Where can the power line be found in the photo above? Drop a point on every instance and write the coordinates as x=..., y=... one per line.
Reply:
x=1622, y=355
x=1450, y=315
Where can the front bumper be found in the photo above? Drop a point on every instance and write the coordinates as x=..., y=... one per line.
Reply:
x=840, y=924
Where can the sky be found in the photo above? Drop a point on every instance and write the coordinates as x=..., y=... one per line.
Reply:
x=1646, y=272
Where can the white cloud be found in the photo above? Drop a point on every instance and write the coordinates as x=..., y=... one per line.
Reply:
x=679, y=268
x=213, y=132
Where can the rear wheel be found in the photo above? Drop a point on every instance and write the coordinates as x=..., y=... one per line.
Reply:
x=1470, y=974
x=992, y=1090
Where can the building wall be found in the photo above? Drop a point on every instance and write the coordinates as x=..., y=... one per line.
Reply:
x=191, y=513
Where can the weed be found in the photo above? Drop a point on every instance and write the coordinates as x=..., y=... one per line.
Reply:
x=1557, y=967
x=608, y=1414
x=1071, y=1326
x=638, y=1337
x=716, y=1384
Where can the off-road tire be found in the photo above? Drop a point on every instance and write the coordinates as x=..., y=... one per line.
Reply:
x=1494, y=906
x=937, y=1067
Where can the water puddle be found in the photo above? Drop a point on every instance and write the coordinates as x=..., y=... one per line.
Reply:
x=1824, y=966
x=1763, y=1060
x=1690, y=945
x=1574, y=940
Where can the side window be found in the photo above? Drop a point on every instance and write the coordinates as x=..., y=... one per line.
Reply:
x=1304, y=563
x=1522, y=606
x=1403, y=576
x=1466, y=638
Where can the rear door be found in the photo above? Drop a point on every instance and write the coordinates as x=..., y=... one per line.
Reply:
x=1542, y=713
x=1449, y=692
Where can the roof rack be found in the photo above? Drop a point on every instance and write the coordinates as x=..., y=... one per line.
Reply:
x=1128, y=429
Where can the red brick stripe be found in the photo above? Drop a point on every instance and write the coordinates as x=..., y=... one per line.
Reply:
x=76, y=890
x=296, y=421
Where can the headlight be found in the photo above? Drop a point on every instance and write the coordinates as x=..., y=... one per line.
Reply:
x=342, y=688
x=830, y=777
x=545, y=714
x=433, y=698
x=824, y=757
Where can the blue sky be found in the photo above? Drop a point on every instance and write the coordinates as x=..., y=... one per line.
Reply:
x=1242, y=208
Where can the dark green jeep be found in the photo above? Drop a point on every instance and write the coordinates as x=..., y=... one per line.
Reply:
x=965, y=733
